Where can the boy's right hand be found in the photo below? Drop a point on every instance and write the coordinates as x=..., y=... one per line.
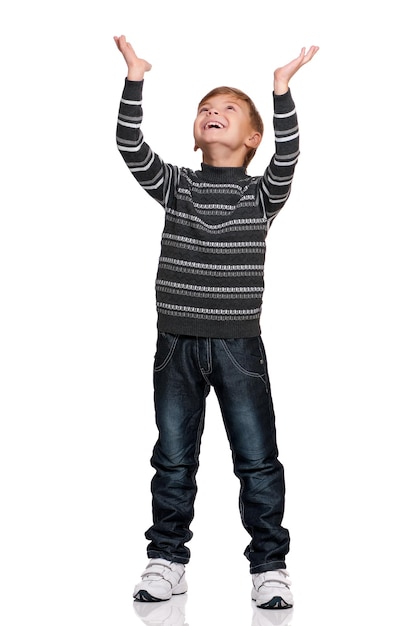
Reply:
x=136, y=67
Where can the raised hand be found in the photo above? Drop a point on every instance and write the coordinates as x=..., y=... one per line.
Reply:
x=282, y=75
x=136, y=67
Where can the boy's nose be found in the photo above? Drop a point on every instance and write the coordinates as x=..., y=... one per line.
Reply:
x=213, y=112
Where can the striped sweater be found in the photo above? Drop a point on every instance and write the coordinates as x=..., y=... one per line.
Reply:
x=210, y=277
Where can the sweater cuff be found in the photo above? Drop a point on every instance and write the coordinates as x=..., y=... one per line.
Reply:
x=133, y=88
x=284, y=102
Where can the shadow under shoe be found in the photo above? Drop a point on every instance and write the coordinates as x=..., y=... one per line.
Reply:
x=169, y=613
x=271, y=618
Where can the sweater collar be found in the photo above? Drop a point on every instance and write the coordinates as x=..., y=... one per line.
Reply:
x=222, y=174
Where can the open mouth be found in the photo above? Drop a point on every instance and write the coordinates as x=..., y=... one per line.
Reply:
x=213, y=125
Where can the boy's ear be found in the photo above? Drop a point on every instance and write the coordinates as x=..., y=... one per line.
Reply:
x=254, y=140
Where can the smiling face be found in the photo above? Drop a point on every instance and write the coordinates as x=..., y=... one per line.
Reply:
x=227, y=128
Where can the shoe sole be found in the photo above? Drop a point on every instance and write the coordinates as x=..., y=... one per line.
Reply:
x=145, y=596
x=276, y=603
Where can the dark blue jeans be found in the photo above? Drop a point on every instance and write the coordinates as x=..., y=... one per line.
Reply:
x=185, y=369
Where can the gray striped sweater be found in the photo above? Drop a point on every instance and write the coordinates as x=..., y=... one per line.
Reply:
x=210, y=278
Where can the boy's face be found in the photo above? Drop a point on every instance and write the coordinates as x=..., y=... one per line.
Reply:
x=224, y=122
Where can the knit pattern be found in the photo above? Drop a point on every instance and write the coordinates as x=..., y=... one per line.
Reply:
x=210, y=278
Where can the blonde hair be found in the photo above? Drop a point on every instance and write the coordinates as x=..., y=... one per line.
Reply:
x=255, y=118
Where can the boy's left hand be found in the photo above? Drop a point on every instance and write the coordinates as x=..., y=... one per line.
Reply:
x=282, y=75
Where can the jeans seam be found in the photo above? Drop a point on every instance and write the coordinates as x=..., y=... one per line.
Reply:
x=238, y=366
x=205, y=373
x=169, y=355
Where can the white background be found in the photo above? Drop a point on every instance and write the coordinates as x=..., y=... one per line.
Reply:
x=79, y=242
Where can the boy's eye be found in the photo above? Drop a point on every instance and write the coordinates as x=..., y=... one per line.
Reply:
x=230, y=106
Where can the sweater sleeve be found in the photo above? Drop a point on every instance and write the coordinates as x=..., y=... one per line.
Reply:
x=277, y=180
x=156, y=177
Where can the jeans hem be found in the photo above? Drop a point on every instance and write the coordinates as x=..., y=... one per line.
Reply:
x=155, y=554
x=267, y=567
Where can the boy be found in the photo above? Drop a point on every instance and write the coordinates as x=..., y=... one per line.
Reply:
x=209, y=289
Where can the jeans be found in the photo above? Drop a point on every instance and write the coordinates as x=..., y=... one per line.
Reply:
x=185, y=369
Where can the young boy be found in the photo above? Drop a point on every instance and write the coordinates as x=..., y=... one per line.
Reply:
x=209, y=290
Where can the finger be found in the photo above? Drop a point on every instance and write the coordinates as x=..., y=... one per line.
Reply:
x=310, y=54
x=122, y=42
x=312, y=51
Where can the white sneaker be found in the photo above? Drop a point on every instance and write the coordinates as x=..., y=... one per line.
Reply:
x=160, y=581
x=271, y=590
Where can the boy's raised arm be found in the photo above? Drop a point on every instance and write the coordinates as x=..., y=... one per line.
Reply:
x=277, y=181
x=282, y=75
x=136, y=67
x=155, y=176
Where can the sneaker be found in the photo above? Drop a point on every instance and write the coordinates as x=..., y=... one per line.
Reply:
x=271, y=590
x=161, y=580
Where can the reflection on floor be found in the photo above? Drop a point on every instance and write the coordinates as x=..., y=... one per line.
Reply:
x=172, y=613
x=169, y=613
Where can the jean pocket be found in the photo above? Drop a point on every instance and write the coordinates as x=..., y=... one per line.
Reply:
x=247, y=355
x=166, y=344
